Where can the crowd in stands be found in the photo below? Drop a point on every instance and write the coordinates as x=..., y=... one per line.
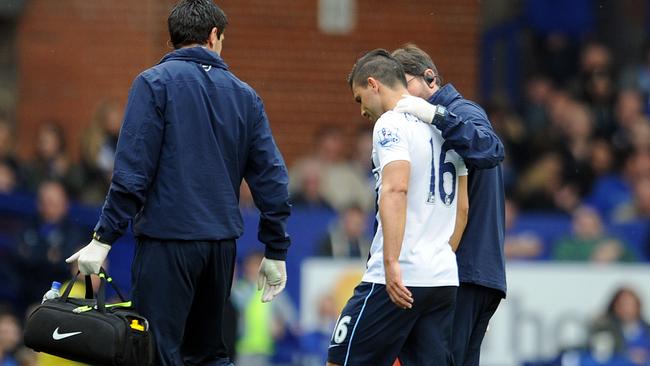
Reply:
x=578, y=154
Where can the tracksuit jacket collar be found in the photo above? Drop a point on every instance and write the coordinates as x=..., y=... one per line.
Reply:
x=445, y=95
x=196, y=54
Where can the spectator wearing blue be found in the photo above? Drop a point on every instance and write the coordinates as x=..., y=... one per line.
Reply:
x=45, y=243
x=623, y=323
x=191, y=132
x=9, y=339
x=467, y=130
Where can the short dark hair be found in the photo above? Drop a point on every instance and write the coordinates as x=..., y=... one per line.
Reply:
x=415, y=61
x=191, y=21
x=380, y=65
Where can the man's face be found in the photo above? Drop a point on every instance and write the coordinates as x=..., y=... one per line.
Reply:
x=369, y=99
x=52, y=202
x=417, y=86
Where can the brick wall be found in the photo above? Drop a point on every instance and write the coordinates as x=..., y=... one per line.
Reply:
x=74, y=53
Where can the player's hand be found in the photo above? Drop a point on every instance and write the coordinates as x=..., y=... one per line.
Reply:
x=417, y=107
x=91, y=257
x=272, y=278
x=398, y=293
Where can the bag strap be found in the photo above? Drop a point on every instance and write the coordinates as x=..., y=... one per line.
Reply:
x=101, y=291
x=68, y=288
x=110, y=281
x=89, y=286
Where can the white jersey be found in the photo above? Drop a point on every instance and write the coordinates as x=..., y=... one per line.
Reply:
x=426, y=258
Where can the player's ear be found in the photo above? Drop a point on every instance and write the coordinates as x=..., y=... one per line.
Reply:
x=372, y=83
x=213, y=38
x=429, y=77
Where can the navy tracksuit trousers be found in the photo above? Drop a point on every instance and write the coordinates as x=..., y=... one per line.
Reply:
x=475, y=305
x=182, y=287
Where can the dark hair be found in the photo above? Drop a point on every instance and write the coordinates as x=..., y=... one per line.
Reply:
x=617, y=296
x=56, y=128
x=380, y=65
x=415, y=61
x=191, y=21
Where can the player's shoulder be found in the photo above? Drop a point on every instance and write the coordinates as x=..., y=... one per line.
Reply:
x=391, y=117
x=388, y=129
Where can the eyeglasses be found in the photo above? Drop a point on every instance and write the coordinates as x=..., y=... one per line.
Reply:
x=411, y=79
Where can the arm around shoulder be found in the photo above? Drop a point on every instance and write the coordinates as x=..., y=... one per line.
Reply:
x=468, y=131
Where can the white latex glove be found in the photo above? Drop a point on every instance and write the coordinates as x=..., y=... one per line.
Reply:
x=272, y=278
x=417, y=107
x=91, y=257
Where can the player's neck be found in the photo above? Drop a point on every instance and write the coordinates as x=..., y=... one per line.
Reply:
x=392, y=96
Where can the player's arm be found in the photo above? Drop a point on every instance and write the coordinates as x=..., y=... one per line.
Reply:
x=392, y=212
x=462, y=212
x=136, y=158
x=468, y=132
x=266, y=175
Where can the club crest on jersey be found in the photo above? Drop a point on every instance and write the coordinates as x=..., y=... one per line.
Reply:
x=387, y=137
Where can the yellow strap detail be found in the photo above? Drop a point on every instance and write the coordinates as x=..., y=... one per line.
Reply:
x=125, y=304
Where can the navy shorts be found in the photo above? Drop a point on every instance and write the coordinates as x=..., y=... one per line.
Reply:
x=372, y=330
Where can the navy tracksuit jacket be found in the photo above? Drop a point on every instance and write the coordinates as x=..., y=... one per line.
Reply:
x=182, y=154
x=467, y=130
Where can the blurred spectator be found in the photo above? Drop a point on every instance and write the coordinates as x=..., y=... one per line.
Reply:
x=347, y=238
x=246, y=201
x=519, y=244
x=638, y=77
x=598, y=86
x=361, y=159
x=614, y=190
x=27, y=357
x=624, y=325
x=52, y=163
x=340, y=184
x=641, y=134
x=512, y=131
x=541, y=186
x=629, y=112
x=639, y=207
x=8, y=179
x=315, y=343
x=98, y=150
x=10, y=335
x=589, y=241
x=535, y=116
x=602, y=158
x=7, y=154
x=576, y=149
x=260, y=324
x=45, y=243
x=307, y=193
x=556, y=35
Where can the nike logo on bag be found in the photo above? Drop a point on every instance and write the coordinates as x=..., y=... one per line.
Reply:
x=333, y=345
x=58, y=336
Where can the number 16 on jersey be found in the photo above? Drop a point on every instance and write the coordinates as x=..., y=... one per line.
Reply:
x=445, y=173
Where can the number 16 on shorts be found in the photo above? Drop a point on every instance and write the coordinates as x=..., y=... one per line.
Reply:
x=341, y=331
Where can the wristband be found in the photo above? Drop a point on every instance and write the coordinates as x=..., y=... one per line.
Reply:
x=99, y=238
x=439, y=115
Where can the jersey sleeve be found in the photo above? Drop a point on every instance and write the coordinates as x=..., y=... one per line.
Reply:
x=389, y=140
